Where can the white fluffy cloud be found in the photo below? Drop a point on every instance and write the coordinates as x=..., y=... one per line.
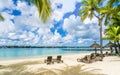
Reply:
x=67, y=6
x=6, y=26
x=68, y=39
x=93, y=20
x=6, y=3
x=81, y=30
x=52, y=39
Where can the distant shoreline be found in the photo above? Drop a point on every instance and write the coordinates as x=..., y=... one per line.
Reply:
x=67, y=48
x=44, y=46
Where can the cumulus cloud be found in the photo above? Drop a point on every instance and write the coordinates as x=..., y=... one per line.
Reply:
x=93, y=20
x=6, y=26
x=68, y=39
x=67, y=6
x=81, y=31
x=53, y=39
x=6, y=4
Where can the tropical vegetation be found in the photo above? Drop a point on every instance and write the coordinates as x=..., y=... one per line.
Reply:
x=108, y=14
x=113, y=34
x=90, y=9
x=112, y=20
x=44, y=8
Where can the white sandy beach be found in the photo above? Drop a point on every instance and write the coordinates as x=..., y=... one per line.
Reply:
x=109, y=66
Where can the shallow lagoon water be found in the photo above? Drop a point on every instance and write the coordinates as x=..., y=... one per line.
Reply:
x=6, y=53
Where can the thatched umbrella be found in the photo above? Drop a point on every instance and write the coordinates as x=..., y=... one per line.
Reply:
x=110, y=44
x=95, y=45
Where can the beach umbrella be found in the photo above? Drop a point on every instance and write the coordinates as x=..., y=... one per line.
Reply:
x=95, y=45
x=110, y=44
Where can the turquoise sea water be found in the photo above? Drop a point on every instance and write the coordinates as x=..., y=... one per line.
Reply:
x=6, y=53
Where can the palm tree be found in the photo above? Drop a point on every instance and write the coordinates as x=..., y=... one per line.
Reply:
x=89, y=9
x=1, y=18
x=44, y=8
x=112, y=18
x=113, y=34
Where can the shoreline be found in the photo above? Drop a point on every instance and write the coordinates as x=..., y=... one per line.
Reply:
x=42, y=58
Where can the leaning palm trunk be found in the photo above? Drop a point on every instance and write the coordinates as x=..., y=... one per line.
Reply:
x=116, y=51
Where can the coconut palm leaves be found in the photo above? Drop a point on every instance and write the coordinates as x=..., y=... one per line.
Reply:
x=43, y=7
x=111, y=14
x=88, y=9
x=92, y=8
x=111, y=11
x=113, y=33
x=1, y=18
x=111, y=2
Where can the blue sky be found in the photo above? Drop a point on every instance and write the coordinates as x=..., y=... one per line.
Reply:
x=22, y=25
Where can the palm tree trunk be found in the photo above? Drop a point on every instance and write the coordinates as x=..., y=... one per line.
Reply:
x=95, y=52
x=100, y=24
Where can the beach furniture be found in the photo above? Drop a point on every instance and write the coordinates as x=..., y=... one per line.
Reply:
x=49, y=60
x=86, y=59
x=58, y=59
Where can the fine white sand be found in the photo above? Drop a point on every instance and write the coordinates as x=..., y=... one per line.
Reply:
x=109, y=66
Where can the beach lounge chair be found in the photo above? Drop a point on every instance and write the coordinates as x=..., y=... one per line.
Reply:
x=85, y=59
x=58, y=60
x=49, y=60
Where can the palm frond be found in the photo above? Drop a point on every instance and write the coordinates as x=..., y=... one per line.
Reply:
x=112, y=33
x=44, y=8
x=91, y=15
x=99, y=1
x=1, y=18
x=84, y=2
x=111, y=2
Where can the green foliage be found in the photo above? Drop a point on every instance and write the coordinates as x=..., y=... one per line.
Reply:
x=92, y=8
x=112, y=33
x=111, y=2
x=89, y=9
x=44, y=8
x=1, y=18
x=111, y=12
